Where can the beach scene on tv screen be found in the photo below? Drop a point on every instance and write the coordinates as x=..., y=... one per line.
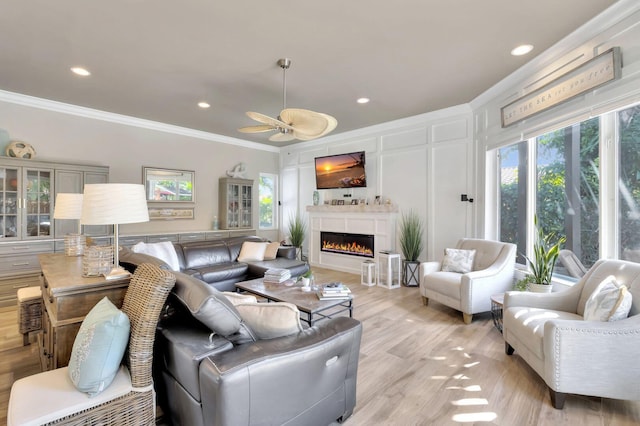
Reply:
x=341, y=171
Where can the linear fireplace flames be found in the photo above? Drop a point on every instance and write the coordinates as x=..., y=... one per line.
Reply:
x=345, y=243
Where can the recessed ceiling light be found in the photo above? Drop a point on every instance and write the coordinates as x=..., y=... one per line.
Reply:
x=203, y=105
x=80, y=71
x=363, y=100
x=523, y=49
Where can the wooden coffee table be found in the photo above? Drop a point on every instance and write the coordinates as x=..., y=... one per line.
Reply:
x=311, y=308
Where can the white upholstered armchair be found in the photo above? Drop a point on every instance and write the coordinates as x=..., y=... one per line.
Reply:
x=571, y=354
x=470, y=293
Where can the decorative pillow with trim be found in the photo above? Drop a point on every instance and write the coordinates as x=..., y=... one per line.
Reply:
x=271, y=320
x=610, y=301
x=456, y=260
x=252, y=251
x=98, y=348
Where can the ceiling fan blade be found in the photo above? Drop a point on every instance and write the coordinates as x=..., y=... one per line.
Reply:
x=265, y=119
x=304, y=121
x=309, y=125
x=282, y=137
x=257, y=129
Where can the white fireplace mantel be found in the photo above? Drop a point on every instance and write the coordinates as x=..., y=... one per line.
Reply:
x=376, y=220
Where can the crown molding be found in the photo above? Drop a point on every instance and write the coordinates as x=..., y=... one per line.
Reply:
x=94, y=114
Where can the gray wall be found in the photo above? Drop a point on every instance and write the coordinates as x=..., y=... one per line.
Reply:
x=66, y=133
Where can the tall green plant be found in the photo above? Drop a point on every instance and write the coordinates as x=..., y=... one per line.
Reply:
x=411, y=230
x=544, y=255
x=297, y=230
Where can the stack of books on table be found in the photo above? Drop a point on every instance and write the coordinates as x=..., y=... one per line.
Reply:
x=276, y=275
x=334, y=291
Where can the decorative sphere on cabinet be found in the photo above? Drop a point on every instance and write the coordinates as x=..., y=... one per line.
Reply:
x=20, y=149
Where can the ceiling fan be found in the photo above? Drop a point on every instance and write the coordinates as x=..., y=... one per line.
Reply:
x=292, y=123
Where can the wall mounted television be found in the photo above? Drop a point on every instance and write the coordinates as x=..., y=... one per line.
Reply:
x=341, y=171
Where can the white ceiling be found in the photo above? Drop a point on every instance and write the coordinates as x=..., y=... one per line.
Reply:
x=157, y=59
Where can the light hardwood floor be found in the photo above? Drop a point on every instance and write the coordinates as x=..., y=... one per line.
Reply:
x=418, y=366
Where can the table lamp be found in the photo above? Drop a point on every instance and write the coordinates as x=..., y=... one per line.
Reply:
x=69, y=206
x=114, y=204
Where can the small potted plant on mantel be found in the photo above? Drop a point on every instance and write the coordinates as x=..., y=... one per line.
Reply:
x=544, y=259
x=411, y=230
x=297, y=233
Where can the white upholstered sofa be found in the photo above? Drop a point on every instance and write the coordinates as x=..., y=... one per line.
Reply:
x=572, y=355
x=470, y=293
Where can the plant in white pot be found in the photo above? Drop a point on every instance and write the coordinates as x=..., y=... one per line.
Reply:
x=297, y=233
x=544, y=259
x=411, y=230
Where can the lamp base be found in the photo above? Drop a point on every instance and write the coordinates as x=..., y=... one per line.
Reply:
x=117, y=273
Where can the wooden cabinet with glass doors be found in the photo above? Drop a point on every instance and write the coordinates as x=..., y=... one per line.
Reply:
x=236, y=203
x=27, y=197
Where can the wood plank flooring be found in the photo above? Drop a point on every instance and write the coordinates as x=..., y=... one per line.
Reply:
x=418, y=365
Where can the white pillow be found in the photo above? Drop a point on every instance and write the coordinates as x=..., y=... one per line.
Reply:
x=164, y=251
x=456, y=260
x=610, y=301
x=271, y=320
x=252, y=251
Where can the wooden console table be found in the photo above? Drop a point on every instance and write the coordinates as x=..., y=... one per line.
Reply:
x=68, y=297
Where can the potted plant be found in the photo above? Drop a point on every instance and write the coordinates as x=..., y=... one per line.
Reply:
x=297, y=233
x=411, y=230
x=544, y=259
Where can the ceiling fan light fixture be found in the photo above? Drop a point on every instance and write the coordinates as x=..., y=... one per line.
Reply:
x=292, y=123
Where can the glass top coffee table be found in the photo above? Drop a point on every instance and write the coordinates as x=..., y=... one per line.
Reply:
x=311, y=308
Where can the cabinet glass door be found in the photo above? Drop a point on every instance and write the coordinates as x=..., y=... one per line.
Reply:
x=246, y=206
x=37, y=207
x=9, y=202
x=233, y=194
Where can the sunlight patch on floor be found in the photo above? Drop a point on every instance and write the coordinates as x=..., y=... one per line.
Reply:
x=487, y=416
x=470, y=401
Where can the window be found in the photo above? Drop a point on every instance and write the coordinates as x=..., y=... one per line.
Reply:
x=267, y=194
x=567, y=188
x=629, y=184
x=513, y=197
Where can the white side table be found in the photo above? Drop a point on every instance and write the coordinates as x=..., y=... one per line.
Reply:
x=368, y=273
x=389, y=270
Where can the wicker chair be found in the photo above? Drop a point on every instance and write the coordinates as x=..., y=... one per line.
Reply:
x=130, y=399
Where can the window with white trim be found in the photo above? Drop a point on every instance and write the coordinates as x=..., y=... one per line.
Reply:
x=268, y=198
x=578, y=188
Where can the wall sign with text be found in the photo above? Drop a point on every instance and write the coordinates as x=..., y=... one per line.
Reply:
x=591, y=74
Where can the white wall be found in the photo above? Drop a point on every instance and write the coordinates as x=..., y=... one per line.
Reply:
x=421, y=163
x=77, y=135
x=617, y=26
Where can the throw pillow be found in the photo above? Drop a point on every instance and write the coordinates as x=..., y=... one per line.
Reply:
x=271, y=320
x=271, y=251
x=610, y=301
x=98, y=348
x=208, y=305
x=456, y=260
x=252, y=251
x=238, y=298
x=164, y=251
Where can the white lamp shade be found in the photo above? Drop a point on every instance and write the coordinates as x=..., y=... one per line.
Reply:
x=114, y=203
x=68, y=206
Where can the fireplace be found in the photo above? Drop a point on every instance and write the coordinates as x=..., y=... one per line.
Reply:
x=345, y=243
